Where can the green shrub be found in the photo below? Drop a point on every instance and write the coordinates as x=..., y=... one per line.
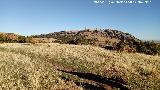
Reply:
x=147, y=47
x=2, y=38
x=21, y=39
x=85, y=41
x=30, y=40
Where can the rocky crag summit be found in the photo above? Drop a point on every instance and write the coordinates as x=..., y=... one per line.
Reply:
x=102, y=33
x=94, y=37
x=10, y=37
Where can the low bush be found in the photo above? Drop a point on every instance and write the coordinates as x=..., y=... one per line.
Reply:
x=146, y=47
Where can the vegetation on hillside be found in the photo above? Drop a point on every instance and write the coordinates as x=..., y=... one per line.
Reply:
x=109, y=39
x=4, y=38
x=91, y=37
x=13, y=38
x=147, y=47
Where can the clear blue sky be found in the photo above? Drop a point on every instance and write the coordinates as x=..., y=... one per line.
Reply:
x=28, y=17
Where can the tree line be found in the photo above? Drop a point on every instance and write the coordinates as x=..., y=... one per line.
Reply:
x=19, y=39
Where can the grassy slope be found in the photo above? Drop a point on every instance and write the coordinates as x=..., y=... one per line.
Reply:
x=36, y=67
x=23, y=72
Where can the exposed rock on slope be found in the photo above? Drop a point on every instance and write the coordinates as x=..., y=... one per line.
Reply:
x=9, y=36
x=95, y=37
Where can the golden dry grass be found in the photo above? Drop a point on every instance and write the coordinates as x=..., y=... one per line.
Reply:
x=21, y=72
x=30, y=66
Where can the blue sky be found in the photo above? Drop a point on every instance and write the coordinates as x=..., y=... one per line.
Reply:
x=29, y=17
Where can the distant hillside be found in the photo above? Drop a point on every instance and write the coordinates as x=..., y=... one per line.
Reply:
x=156, y=41
x=95, y=37
x=108, y=39
x=12, y=38
x=8, y=37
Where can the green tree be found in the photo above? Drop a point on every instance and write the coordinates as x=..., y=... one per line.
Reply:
x=2, y=38
x=22, y=39
x=30, y=40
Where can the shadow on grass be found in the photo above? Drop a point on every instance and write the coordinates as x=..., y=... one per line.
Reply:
x=99, y=79
x=88, y=86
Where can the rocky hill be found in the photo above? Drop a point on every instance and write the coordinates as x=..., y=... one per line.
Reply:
x=108, y=39
x=95, y=37
x=11, y=38
x=9, y=35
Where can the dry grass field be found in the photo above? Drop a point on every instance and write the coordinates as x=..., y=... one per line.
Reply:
x=53, y=66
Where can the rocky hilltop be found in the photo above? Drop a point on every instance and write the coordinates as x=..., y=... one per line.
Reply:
x=96, y=37
x=9, y=35
x=11, y=38
x=107, y=38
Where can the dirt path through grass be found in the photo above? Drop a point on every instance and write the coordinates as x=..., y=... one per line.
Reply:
x=91, y=81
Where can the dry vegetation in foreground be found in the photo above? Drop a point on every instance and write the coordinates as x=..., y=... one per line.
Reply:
x=62, y=66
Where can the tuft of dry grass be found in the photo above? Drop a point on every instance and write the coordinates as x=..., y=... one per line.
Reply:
x=30, y=66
